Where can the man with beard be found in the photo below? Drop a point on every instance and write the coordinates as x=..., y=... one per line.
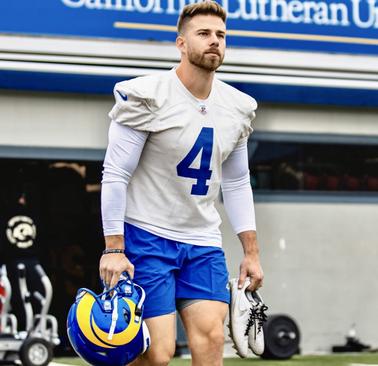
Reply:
x=175, y=139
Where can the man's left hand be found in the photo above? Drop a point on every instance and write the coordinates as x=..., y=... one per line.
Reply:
x=251, y=267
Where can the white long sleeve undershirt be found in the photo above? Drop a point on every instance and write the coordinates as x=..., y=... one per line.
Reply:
x=237, y=191
x=121, y=159
x=122, y=156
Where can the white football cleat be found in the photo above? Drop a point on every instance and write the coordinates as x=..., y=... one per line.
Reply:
x=239, y=314
x=247, y=315
x=256, y=320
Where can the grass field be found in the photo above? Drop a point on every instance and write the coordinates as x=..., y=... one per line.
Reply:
x=332, y=360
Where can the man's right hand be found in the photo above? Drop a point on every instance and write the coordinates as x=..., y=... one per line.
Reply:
x=112, y=265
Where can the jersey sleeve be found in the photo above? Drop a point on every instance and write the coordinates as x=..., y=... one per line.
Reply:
x=250, y=106
x=133, y=109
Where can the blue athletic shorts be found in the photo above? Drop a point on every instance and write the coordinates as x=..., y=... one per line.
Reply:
x=170, y=270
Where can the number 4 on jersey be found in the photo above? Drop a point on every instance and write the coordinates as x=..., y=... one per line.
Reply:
x=203, y=143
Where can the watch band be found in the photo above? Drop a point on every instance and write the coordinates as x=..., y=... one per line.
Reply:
x=111, y=251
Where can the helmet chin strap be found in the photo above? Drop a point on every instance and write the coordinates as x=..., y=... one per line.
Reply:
x=138, y=310
x=114, y=316
x=114, y=300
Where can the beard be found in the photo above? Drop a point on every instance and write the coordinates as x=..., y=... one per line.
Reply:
x=205, y=61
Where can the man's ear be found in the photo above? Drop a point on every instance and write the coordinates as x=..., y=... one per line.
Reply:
x=180, y=43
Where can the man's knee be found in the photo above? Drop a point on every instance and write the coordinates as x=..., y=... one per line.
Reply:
x=160, y=355
x=213, y=339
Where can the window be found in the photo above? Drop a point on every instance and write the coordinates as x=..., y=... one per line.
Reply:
x=327, y=167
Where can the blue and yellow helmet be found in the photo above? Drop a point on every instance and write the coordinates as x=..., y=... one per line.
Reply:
x=108, y=329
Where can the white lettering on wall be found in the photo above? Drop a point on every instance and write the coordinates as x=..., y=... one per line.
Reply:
x=369, y=21
x=74, y=3
x=129, y=5
x=139, y=7
x=321, y=16
x=264, y=12
x=279, y=11
x=295, y=10
x=157, y=8
x=171, y=7
x=95, y=4
x=337, y=13
x=241, y=11
x=309, y=10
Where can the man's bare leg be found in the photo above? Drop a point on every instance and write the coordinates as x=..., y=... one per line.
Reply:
x=163, y=341
x=203, y=322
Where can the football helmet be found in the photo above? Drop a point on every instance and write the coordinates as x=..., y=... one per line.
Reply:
x=108, y=329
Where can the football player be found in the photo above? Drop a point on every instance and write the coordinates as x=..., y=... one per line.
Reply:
x=175, y=139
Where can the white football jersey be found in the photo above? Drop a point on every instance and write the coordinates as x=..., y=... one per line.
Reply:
x=173, y=190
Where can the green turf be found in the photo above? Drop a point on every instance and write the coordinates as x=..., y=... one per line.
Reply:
x=332, y=360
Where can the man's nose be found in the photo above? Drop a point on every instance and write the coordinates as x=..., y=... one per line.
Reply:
x=214, y=41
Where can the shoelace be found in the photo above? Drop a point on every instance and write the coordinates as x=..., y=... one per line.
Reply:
x=256, y=314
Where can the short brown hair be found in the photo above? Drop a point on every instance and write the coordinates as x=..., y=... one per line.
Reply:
x=207, y=7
